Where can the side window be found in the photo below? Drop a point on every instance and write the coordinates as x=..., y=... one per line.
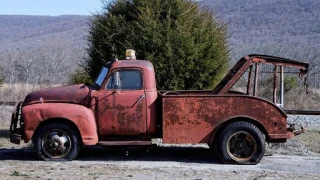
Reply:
x=125, y=79
x=111, y=82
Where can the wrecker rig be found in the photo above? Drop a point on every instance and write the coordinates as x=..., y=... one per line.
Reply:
x=124, y=107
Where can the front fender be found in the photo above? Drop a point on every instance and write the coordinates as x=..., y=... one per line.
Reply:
x=81, y=116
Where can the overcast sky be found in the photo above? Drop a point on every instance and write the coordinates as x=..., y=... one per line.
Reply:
x=49, y=7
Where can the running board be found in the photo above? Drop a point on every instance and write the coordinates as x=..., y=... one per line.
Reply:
x=124, y=143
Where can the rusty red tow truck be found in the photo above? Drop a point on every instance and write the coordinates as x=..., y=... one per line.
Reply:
x=124, y=107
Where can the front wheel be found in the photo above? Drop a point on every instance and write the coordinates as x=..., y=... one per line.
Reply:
x=57, y=142
x=240, y=143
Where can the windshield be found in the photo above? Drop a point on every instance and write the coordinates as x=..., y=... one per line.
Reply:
x=102, y=75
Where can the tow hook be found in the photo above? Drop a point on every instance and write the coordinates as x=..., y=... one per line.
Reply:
x=292, y=128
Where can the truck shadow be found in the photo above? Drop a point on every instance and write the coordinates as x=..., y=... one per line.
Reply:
x=4, y=133
x=23, y=154
x=178, y=154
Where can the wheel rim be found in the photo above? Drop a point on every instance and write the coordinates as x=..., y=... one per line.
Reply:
x=56, y=143
x=241, y=146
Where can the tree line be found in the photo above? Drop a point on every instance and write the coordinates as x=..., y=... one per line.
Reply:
x=47, y=64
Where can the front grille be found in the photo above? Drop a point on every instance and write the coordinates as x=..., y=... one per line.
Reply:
x=17, y=123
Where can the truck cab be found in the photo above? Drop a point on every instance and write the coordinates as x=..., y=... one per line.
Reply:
x=125, y=102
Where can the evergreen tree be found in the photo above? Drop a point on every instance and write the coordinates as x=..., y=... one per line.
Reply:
x=185, y=42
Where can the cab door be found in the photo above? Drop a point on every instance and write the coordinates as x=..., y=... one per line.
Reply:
x=129, y=109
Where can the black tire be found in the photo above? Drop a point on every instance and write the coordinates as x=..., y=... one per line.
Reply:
x=240, y=143
x=57, y=142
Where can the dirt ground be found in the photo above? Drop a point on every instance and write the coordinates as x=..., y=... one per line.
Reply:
x=157, y=163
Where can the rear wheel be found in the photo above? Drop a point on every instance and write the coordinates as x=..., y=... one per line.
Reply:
x=241, y=143
x=57, y=142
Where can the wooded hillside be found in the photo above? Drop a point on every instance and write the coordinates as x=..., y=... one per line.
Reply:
x=270, y=24
x=45, y=49
x=286, y=28
x=41, y=49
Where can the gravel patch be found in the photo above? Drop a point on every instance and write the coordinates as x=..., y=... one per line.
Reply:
x=307, y=121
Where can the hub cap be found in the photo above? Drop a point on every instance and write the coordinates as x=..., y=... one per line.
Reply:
x=56, y=143
x=241, y=146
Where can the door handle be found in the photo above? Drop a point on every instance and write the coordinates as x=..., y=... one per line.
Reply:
x=140, y=98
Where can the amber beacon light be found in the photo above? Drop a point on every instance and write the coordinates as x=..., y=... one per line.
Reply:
x=130, y=54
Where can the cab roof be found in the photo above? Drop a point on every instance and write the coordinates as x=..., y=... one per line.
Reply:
x=144, y=64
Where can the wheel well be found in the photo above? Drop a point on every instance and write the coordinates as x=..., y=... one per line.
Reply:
x=237, y=119
x=57, y=121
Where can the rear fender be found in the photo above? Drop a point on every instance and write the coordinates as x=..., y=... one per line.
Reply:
x=81, y=116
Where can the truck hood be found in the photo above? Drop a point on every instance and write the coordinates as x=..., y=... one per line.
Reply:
x=77, y=94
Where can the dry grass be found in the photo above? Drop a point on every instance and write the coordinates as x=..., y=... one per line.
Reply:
x=17, y=92
x=311, y=139
x=306, y=144
x=5, y=115
x=299, y=99
x=4, y=139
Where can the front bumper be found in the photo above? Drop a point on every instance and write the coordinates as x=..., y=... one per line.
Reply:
x=17, y=125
